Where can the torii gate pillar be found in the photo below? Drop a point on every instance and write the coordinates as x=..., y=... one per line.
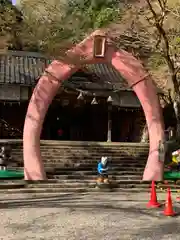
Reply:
x=128, y=66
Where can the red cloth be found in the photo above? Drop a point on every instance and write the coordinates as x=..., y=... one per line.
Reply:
x=60, y=132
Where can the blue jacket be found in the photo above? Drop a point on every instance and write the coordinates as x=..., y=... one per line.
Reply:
x=102, y=169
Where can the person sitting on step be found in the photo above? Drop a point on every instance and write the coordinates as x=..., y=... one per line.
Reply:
x=5, y=156
x=102, y=169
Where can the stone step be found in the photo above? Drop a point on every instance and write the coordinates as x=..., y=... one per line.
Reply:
x=93, y=163
x=89, y=177
x=91, y=154
x=68, y=183
x=109, y=147
x=93, y=176
x=87, y=171
x=97, y=155
x=60, y=159
x=83, y=145
x=63, y=152
x=76, y=181
x=42, y=190
x=75, y=163
x=87, y=155
x=86, y=174
x=92, y=184
x=11, y=185
x=54, y=181
x=86, y=150
x=93, y=171
x=95, y=151
x=84, y=165
x=90, y=166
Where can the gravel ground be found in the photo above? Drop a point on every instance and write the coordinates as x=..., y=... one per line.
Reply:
x=110, y=216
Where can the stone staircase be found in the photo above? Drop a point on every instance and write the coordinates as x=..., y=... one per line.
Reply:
x=71, y=167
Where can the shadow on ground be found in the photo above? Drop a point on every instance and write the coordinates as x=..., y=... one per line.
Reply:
x=168, y=229
x=78, y=202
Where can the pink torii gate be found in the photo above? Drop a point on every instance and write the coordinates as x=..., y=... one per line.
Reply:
x=129, y=67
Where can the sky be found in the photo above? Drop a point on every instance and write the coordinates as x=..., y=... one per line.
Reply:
x=13, y=2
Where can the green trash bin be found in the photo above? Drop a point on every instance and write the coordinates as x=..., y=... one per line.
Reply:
x=171, y=175
x=9, y=174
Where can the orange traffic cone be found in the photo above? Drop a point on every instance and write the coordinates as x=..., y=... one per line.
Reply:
x=168, y=211
x=153, y=201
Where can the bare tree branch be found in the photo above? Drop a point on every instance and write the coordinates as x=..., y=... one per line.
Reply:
x=158, y=23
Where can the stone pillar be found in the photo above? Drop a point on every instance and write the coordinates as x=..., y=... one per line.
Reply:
x=109, y=131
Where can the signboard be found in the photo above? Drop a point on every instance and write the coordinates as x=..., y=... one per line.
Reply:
x=13, y=93
x=9, y=92
x=126, y=99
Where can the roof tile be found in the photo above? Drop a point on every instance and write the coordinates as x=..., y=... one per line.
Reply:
x=18, y=67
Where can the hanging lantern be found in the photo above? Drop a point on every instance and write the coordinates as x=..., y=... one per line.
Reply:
x=109, y=100
x=80, y=97
x=94, y=101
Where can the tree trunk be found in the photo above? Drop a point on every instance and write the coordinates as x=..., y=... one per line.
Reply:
x=145, y=135
x=176, y=106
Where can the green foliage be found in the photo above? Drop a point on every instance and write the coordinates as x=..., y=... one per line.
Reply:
x=106, y=16
x=156, y=61
x=52, y=25
x=93, y=14
x=177, y=40
x=10, y=19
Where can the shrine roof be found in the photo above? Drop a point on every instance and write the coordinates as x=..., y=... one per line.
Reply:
x=18, y=67
x=25, y=68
